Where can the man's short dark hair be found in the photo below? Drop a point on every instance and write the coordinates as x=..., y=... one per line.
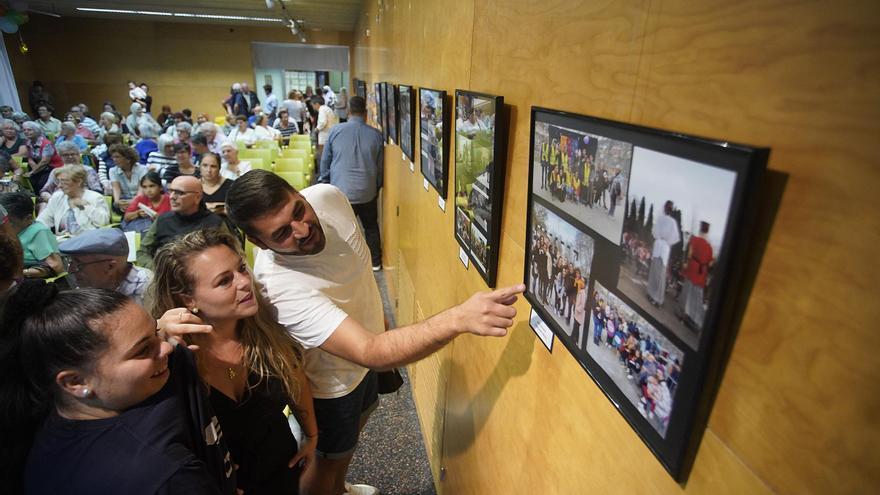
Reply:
x=357, y=105
x=255, y=194
x=267, y=88
x=316, y=99
x=200, y=138
x=182, y=147
x=18, y=204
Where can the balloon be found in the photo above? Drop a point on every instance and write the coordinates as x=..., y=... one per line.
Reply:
x=7, y=26
x=17, y=17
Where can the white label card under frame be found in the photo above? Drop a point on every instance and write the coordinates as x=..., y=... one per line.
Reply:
x=441, y=203
x=545, y=335
x=425, y=184
x=463, y=257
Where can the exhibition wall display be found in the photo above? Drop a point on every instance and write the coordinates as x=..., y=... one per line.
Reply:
x=375, y=110
x=480, y=159
x=634, y=240
x=361, y=88
x=406, y=120
x=434, y=138
x=389, y=103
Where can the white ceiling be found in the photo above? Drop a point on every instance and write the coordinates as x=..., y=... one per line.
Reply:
x=335, y=15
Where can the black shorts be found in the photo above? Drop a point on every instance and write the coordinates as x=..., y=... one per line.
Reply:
x=339, y=419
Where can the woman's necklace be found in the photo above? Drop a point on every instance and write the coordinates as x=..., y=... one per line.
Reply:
x=231, y=373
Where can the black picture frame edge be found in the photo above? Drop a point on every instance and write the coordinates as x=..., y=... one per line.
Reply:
x=696, y=415
x=490, y=275
x=446, y=137
x=412, y=124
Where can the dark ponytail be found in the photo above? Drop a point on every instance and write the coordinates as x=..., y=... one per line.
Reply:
x=43, y=331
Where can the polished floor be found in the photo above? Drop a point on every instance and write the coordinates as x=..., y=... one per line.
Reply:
x=391, y=455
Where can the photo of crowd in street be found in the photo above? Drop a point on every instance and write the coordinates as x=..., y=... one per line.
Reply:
x=389, y=102
x=559, y=260
x=675, y=218
x=475, y=195
x=375, y=113
x=641, y=362
x=406, y=122
x=432, y=131
x=583, y=174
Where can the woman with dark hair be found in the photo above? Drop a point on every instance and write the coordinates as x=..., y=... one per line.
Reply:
x=40, y=253
x=252, y=366
x=125, y=177
x=214, y=185
x=147, y=206
x=94, y=401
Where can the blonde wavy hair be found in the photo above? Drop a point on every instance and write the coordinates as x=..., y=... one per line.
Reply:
x=269, y=351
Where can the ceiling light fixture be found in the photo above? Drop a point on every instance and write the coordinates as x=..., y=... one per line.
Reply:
x=218, y=17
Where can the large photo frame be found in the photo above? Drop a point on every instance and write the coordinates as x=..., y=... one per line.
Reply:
x=375, y=111
x=635, y=242
x=434, y=138
x=389, y=103
x=360, y=88
x=406, y=123
x=480, y=165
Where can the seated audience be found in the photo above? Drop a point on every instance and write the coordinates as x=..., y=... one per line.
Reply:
x=188, y=213
x=70, y=155
x=11, y=142
x=215, y=138
x=163, y=158
x=107, y=123
x=41, y=157
x=39, y=247
x=242, y=132
x=263, y=131
x=232, y=167
x=99, y=259
x=148, y=143
x=183, y=164
x=155, y=202
x=96, y=402
x=73, y=208
x=125, y=177
x=68, y=133
x=214, y=185
x=50, y=125
x=285, y=125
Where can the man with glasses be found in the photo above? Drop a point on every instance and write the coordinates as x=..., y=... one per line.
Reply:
x=99, y=258
x=188, y=213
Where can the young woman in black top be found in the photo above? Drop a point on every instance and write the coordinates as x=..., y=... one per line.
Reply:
x=94, y=402
x=251, y=365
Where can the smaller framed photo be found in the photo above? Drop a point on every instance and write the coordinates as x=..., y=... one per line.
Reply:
x=389, y=102
x=434, y=138
x=375, y=110
x=360, y=88
x=406, y=120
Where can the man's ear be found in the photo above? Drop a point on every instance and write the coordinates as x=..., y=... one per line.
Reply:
x=72, y=383
x=256, y=242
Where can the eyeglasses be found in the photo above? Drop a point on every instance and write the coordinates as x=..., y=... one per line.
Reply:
x=74, y=266
x=178, y=192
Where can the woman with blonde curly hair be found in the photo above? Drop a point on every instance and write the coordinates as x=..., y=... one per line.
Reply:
x=252, y=367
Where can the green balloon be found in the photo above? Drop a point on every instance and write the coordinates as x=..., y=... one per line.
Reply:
x=18, y=17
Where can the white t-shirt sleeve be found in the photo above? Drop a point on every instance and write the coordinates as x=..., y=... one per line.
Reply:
x=309, y=316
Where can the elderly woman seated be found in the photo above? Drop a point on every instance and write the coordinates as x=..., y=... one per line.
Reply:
x=242, y=132
x=163, y=158
x=148, y=143
x=107, y=123
x=125, y=177
x=232, y=167
x=41, y=157
x=39, y=247
x=70, y=155
x=73, y=208
x=68, y=133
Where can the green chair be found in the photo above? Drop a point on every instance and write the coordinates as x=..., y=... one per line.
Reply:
x=295, y=179
x=261, y=153
x=302, y=145
x=295, y=153
x=259, y=163
x=290, y=165
x=115, y=218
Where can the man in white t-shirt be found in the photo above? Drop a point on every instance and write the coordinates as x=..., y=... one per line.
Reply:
x=316, y=270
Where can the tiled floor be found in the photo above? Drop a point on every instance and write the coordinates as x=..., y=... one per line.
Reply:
x=391, y=455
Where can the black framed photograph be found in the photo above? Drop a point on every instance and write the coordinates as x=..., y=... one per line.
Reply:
x=480, y=159
x=636, y=239
x=375, y=112
x=360, y=88
x=389, y=103
x=434, y=138
x=406, y=99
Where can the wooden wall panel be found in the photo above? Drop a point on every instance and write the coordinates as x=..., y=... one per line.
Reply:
x=795, y=408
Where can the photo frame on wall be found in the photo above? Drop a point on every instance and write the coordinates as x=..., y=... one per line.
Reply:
x=389, y=102
x=434, y=138
x=480, y=163
x=406, y=124
x=635, y=242
x=375, y=110
x=360, y=88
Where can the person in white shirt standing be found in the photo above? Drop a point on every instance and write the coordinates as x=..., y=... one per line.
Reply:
x=315, y=267
x=326, y=120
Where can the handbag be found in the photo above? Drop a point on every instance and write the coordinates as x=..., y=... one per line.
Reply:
x=389, y=381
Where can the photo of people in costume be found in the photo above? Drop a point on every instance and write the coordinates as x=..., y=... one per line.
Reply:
x=675, y=218
x=558, y=272
x=389, y=103
x=374, y=106
x=641, y=362
x=432, y=134
x=583, y=174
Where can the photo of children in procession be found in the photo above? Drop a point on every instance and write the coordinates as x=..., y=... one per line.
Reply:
x=641, y=362
x=675, y=218
x=474, y=158
x=560, y=256
x=374, y=106
x=583, y=174
x=406, y=120
x=431, y=134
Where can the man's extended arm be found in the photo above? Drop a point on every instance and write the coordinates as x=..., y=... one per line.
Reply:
x=485, y=313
